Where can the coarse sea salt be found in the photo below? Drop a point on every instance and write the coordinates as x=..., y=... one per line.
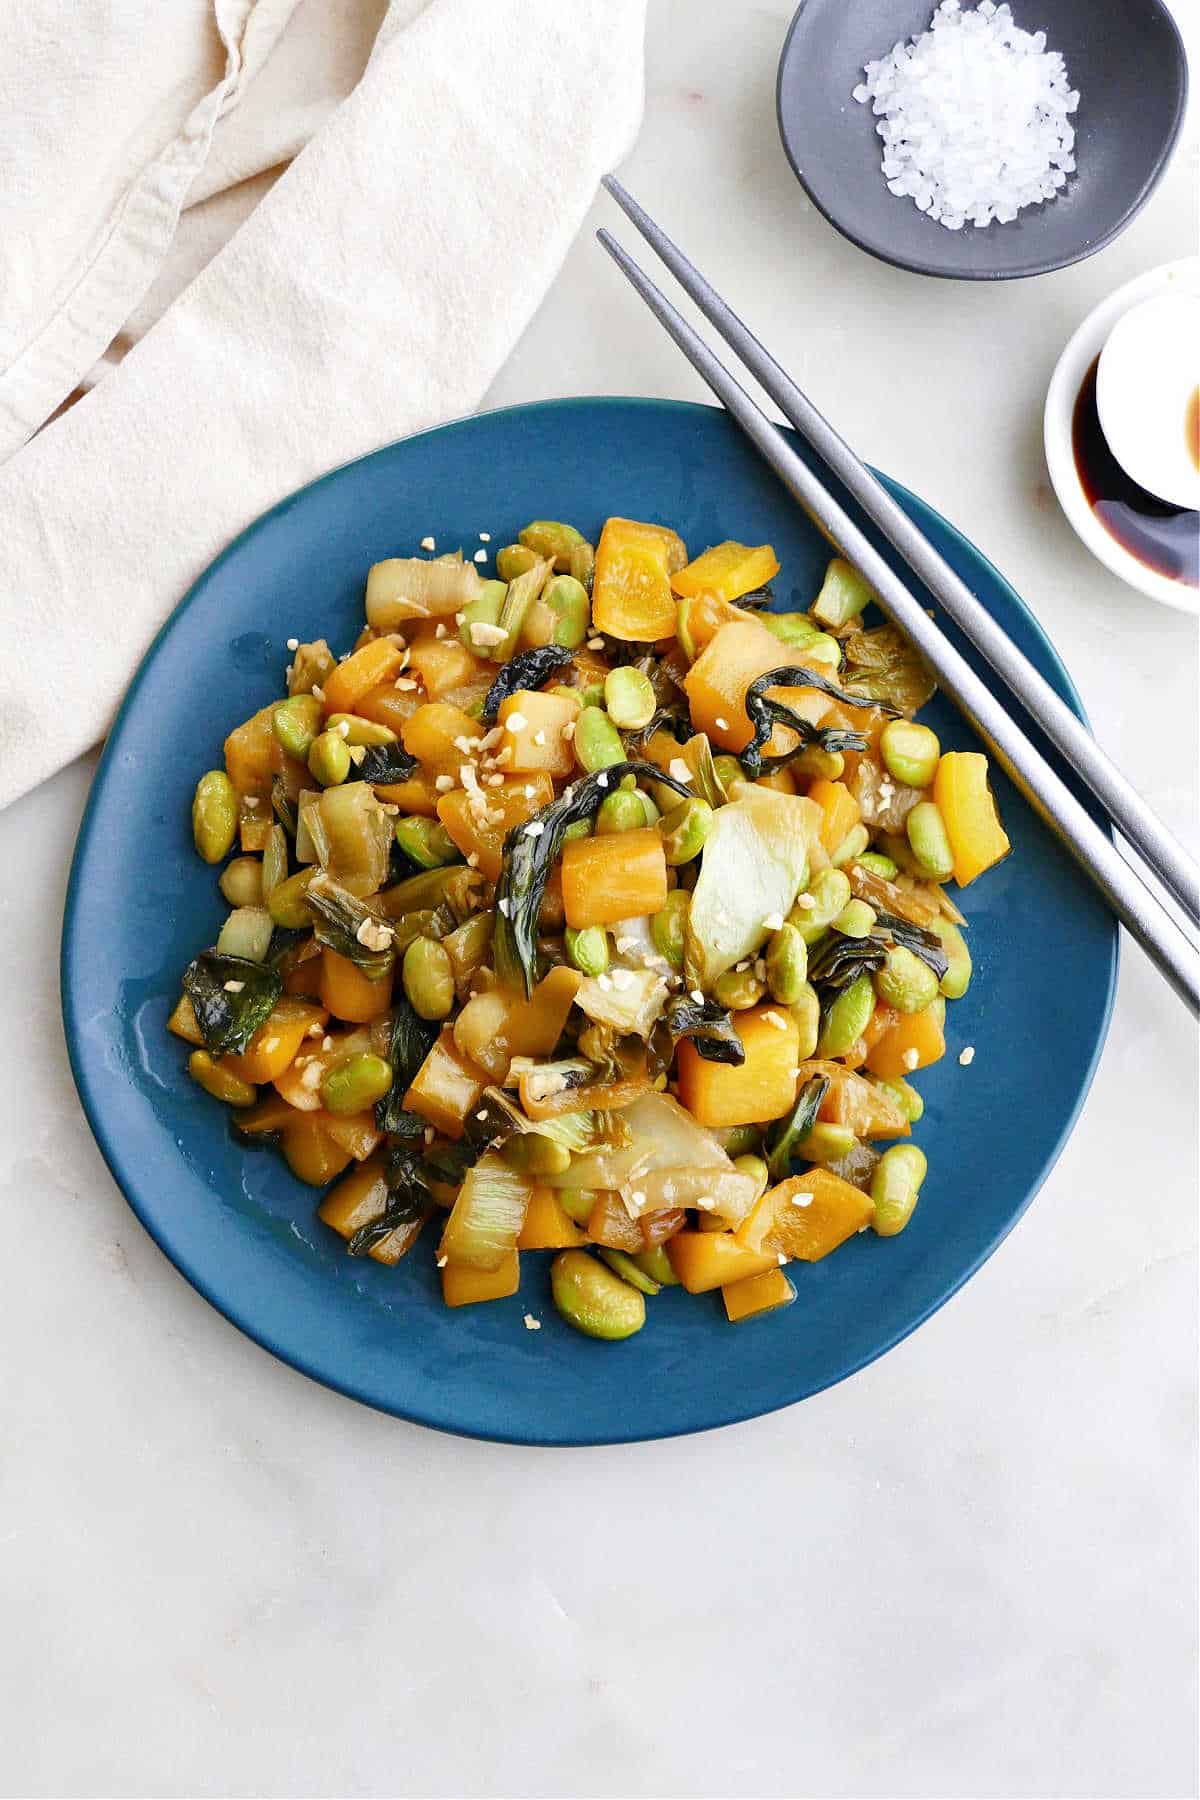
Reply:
x=974, y=116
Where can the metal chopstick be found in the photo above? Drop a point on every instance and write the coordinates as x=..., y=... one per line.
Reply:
x=1163, y=852
x=1135, y=905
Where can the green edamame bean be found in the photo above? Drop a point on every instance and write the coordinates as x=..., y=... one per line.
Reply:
x=807, y=1013
x=550, y=537
x=514, y=560
x=577, y=1203
x=851, y=846
x=929, y=841
x=856, y=919
x=354, y=1085
x=825, y=649
x=587, y=950
x=621, y=811
x=906, y=1097
x=484, y=609
x=957, y=979
x=274, y=861
x=629, y=697
x=657, y=1265
x=755, y=1167
x=728, y=770
x=787, y=965
x=287, y=904
x=847, y=1018
x=826, y=1143
x=829, y=892
x=428, y=977
x=798, y=632
x=795, y=628
x=894, y=845
x=241, y=881
x=568, y=601
x=906, y=982
x=597, y=742
x=667, y=928
x=219, y=1082
x=738, y=989
x=364, y=732
x=910, y=752
x=684, y=830
x=531, y=1154
x=246, y=933
x=592, y=694
x=814, y=762
x=214, y=815
x=296, y=723
x=426, y=843
x=581, y=563
x=594, y=1300
x=883, y=866
x=650, y=812
x=623, y=1265
x=895, y=1186
x=329, y=759
x=580, y=829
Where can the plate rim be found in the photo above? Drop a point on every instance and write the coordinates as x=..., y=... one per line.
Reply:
x=231, y=1309
x=1047, y=266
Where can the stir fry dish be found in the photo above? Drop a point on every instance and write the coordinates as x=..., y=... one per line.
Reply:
x=598, y=909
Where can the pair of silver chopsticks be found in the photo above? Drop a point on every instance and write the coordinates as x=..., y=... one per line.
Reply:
x=1125, y=881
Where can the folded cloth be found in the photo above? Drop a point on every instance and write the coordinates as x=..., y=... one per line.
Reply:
x=375, y=287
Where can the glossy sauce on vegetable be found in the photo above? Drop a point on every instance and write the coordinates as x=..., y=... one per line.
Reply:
x=1163, y=537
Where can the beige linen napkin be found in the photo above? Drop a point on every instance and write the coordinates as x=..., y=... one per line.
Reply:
x=371, y=288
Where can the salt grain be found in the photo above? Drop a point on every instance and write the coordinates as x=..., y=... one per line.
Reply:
x=974, y=117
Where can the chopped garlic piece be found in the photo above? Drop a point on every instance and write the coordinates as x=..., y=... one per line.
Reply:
x=485, y=634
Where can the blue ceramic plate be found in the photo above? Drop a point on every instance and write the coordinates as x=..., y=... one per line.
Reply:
x=244, y=1231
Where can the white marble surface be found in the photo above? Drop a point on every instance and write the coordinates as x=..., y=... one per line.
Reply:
x=969, y=1570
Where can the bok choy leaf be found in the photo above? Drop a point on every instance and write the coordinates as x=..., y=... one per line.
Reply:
x=408, y=1198
x=753, y=864
x=412, y=1040
x=841, y=960
x=925, y=944
x=386, y=763
x=345, y=924
x=792, y=1130
x=529, y=670
x=764, y=714
x=230, y=997
x=708, y=1026
x=883, y=667
x=528, y=860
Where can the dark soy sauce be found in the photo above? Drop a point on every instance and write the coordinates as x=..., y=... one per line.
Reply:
x=1165, y=538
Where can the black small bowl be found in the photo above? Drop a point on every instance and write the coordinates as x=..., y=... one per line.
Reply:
x=1126, y=58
